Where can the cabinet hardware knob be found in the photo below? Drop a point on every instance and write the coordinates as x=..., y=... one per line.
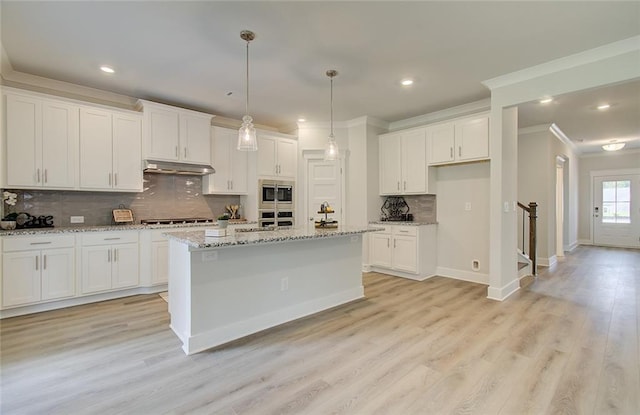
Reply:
x=115, y=254
x=37, y=175
x=112, y=239
x=460, y=151
x=40, y=243
x=46, y=178
x=109, y=255
x=115, y=179
x=36, y=262
x=44, y=262
x=451, y=152
x=176, y=151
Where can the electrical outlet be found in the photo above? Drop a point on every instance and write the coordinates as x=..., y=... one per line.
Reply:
x=467, y=206
x=284, y=284
x=76, y=219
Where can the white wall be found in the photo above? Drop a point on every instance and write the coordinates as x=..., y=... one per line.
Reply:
x=463, y=236
x=629, y=159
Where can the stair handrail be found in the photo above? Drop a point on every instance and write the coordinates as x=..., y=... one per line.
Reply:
x=532, y=210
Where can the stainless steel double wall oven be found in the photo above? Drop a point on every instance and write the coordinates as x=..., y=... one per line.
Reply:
x=276, y=206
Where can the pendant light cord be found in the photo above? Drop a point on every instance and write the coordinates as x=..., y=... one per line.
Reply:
x=331, y=107
x=246, y=108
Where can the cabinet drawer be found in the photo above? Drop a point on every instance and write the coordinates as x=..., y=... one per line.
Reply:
x=25, y=243
x=405, y=230
x=385, y=229
x=104, y=238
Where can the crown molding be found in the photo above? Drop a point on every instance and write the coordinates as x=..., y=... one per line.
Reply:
x=364, y=120
x=560, y=135
x=443, y=115
x=581, y=58
x=534, y=129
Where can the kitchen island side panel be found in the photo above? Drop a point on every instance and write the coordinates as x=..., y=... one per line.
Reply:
x=179, y=290
x=241, y=290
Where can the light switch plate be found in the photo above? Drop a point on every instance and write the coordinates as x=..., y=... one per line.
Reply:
x=76, y=219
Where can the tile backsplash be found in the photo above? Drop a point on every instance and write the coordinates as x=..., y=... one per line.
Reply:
x=164, y=196
x=423, y=207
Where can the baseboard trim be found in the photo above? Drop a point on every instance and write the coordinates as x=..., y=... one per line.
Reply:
x=585, y=242
x=548, y=262
x=219, y=336
x=366, y=268
x=458, y=274
x=502, y=293
x=572, y=246
x=74, y=301
x=402, y=274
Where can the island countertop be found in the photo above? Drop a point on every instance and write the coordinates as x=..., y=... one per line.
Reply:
x=196, y=239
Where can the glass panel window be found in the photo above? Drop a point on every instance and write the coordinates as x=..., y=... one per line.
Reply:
x=616, y=201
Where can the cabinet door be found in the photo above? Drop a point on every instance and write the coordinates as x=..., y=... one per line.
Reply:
x=24, y=134
x=59, y=144
x=20, y=278
x=380, y=250
x=414, y=162
x=159, y=262
x=472, y=139
x=405, y=253
x=96, y=268
x=222, y=140
x=58, y=276
x=95, y=149
x=162, y=133
x=239, y=171
x=390, y=165
x=127, y=152
x=267, y=156
x=195, y=141
x=286, y=158
x=125, y=265
x=441, y=143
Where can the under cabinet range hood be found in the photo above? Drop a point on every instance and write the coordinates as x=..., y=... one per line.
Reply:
x=171, y=167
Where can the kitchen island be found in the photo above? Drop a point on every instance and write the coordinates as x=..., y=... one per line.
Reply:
x=225, y=288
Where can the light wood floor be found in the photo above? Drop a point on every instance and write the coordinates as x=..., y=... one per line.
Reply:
x=567, y=343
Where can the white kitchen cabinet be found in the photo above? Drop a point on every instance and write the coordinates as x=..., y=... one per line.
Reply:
x=175, y=134
x=37, y=269
x=159, y=262
x=459, y=141
x=277, y=157
x=110, y=260
x=404, y=251
x=42, y=142
x=231, y=165
x=403, y=165
x=110, y=150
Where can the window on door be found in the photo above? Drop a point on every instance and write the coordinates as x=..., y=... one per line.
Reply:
x=616, y=201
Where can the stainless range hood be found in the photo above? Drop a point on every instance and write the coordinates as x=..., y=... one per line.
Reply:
x=172, y=167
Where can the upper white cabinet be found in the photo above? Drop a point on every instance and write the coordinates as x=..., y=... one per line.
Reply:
x=403, y=163
x=110, y=150
x=459, y=141
x=42, y=142
x=176, y=134
x=231, y=165
x=277, y=157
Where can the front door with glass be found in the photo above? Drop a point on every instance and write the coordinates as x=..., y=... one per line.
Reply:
x=616, y=211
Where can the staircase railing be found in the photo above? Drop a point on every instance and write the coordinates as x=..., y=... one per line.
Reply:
x=531, y=212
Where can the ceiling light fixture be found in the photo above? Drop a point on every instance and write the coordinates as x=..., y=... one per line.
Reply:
x=407, y=82
x=301, y=120
x=613, y=146
x=546, y=100
x=604, y=107
x=247, y=140
x=331, y=152
x=107, y=69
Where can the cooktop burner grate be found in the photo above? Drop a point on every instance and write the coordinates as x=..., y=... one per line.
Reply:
x=174, y=221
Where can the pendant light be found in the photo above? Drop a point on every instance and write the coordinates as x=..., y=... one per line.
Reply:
x=247, y=140
x=331, y=152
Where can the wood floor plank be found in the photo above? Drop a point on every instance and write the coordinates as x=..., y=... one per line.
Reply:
x=565, y=344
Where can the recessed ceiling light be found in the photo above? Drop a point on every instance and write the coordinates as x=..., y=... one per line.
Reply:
x=106, y=69
x=603, y=107
x=407, y=82
x=301, y=120
x=546, y=100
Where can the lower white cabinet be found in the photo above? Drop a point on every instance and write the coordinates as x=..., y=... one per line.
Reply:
x=110, y=260
x=404, y=250
x=36, y=269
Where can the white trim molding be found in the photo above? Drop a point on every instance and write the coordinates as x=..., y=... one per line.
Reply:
x=502, y=293
x=548, y=262
x=560, y=135
x=462, y=275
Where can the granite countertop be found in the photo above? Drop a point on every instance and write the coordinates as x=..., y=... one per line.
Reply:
x=197, y=238
x=403, y=223
x=109, y=228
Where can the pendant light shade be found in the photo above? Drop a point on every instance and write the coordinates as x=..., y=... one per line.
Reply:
x=247, y=140
x=332, y=152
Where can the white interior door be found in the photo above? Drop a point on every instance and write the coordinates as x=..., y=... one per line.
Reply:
x=616, y=210
x=324, y=184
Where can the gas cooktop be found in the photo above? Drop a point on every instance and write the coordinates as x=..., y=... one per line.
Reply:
x=175, y=221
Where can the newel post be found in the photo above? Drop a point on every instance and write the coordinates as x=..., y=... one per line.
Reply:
x=532, y=235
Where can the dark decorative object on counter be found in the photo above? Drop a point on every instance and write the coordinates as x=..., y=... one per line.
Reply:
x=395, y=208
x=24, y=220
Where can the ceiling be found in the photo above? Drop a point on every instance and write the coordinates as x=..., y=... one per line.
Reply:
x=190, y=53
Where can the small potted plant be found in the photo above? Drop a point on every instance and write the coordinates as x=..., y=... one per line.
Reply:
x=9, y=221
x=223, y=221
